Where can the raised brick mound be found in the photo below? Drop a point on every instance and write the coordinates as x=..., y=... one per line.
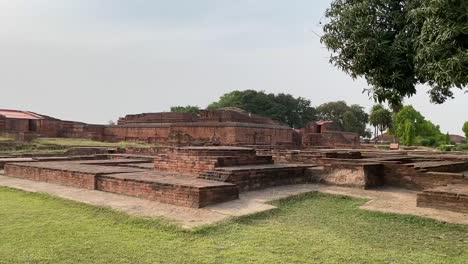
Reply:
x=198, y=160
x=259, y=176
x=118, y=176
x=452, y=198
x=170, y=188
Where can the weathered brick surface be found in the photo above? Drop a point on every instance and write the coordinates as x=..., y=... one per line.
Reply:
x=202, y=133
x=84, y=180
x=124, y=176
x=259, y=176
x=406, y=176
x=452, y=198
x=182, y=191
x=359, y=175
x=202, y=159
x=67, y=173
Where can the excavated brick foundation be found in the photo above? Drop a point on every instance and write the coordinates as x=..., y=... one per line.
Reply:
x=451, y=197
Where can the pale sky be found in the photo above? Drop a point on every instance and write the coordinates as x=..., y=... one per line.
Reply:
x=96, y=60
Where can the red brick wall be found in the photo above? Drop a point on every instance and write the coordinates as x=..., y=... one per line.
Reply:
x=253, y=179
x=17, y=125
x=202, y=134
x=68, y=178
x=165, y=193
x=331, y=139
x=2, y=123
x=401, y=175
x=439, y=199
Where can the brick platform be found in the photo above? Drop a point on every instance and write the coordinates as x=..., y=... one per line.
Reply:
x=198, y=160
x=452, y=198
x=63, y=173
x=182, y=190
x=259, y=176
x=118, y=176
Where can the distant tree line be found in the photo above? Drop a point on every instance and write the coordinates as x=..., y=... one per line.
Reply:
x=402, y=122
x=296, y=112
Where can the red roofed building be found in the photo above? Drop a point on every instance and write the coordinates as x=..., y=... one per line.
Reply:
x=18, y=121
x=25, y=125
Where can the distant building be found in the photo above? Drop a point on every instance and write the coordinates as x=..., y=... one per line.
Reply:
x=385, y=138
x=328, y=134
x=457, y=139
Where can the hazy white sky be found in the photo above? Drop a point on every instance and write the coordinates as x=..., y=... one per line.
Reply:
x=96, y=60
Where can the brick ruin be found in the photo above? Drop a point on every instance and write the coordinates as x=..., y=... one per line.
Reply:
x=232, y=127
x=327, y=134
x=189, y=176
x=201, y=176
x=211, y=157
x=225, y=127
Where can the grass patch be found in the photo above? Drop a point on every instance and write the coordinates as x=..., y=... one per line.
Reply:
x=74, y=142
x=312, y=228
x=60, y=145
x=5, y=139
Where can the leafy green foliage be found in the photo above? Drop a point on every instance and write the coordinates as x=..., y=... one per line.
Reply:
x=351, y=118
x=441, y=45
x=191, y=109
x=409, y=133
x=396, y=45
x=465, y=130
x=421, y=131
x=295, y=112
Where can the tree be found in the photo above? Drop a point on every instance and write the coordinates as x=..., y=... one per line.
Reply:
x=408, y=135
x=380, y=118
x=447, y=139
x=186, y=109
x=396, y=45
x=425, y=132
x=351, y=118
x=295, y=112
x=465, y=130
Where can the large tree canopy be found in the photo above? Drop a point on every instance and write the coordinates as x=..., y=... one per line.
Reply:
x=351, y=118
x=397, y=44
x=191, y=109
x=295, y=112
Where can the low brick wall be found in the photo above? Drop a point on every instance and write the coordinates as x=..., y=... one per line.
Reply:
x=452, y=198
x=166, y=192
x=68, y=178
x=350, y=175
x=259, y=177
x=406, y=176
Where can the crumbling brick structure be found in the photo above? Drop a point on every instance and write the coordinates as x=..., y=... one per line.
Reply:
x=328, y=134
x=228, y=127
x=211, y=127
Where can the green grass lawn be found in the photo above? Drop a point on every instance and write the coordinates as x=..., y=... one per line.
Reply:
x=75, y=142
x=58, y=145
x=3, y=139
x=313, y=228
